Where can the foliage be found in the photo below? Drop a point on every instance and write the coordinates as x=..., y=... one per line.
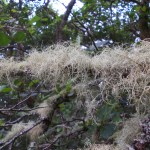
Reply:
x=111, y=20
x=28, y=23
x=36, y=23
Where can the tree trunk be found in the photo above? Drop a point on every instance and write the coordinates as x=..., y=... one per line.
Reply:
x=144, y=20
x=59, y=32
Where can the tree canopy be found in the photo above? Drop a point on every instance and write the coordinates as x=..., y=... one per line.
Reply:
x=36, y=23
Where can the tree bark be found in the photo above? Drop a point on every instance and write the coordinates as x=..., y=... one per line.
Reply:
x=144, y=20
x=59, y=32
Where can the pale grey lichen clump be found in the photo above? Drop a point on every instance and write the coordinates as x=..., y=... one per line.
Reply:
x=117, y=68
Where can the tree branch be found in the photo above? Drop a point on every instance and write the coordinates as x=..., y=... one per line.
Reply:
x=88, y=32
x=19, y=134
x=134, y=1
x=59, y=35
x=74, y=133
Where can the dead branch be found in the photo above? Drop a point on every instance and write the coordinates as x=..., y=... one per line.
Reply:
x=5, y=144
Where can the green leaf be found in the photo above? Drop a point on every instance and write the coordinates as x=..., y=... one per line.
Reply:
x=46, y=97
x=13, y=10
x=107, y=131
x=31, y=30
x=144, y=8
x=58, y=88
x=62, y=107
x=103, y=113
x=68, y=87
x=34, y=19
x=17, y=82
x=4, y=39
x=38, y=24
x=19, y=36
x=116, y=118
x=33, y=82
x=5, y=90
x=45, y=19
x=137, y=8
x=1, y=122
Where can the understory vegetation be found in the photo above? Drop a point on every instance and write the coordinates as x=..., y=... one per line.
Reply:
x=65, y=98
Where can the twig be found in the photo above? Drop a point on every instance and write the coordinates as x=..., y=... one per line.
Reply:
x=20, y=134
x=82, y=25
x=16, y=121
x=79, y=131
x=19, y=110
x=30, y=95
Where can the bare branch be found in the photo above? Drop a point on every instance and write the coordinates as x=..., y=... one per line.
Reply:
x=30, y=95
x=88, y=32
x=46, y=3
x=18, y=120
x=134, y=1
x=21, y=110
x=19, y=134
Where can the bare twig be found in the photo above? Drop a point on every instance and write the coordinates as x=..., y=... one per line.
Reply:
x=20, y=134
x=18, y=120
x=30, y=95
x=20, y=110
